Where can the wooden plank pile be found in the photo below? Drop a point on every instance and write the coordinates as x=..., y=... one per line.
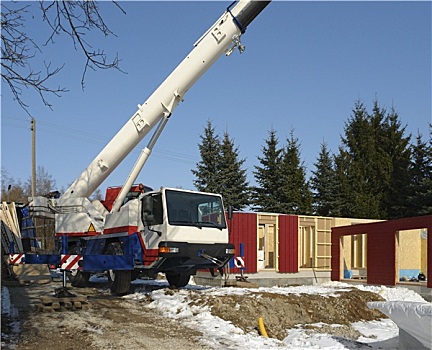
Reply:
x=62, y=300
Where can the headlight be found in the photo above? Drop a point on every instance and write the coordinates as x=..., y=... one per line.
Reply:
x=230, y=251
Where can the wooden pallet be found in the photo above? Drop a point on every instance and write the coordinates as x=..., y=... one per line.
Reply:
x=70, y=303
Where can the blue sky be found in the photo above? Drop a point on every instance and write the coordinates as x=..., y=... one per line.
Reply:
x=305, y=65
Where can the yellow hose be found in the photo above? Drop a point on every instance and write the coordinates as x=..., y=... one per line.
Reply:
x=261, y=327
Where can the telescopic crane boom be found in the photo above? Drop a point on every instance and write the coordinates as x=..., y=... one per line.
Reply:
x=222, y=37
x=133, y=233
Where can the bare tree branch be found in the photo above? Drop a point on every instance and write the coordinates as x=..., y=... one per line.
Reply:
x=19, y=50
x=76, y=19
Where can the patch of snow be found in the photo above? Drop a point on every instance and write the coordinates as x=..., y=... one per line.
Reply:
x=9, y=312
x=218, y=333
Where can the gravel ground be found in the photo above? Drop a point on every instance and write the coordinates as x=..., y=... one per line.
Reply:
x=108, y=323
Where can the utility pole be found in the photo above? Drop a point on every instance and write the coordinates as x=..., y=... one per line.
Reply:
x=33, y=130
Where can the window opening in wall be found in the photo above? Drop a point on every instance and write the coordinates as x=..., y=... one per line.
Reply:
x=323, y=244
x=355, y=256
x=411, y=255
x=266, y=246
x=315, y=243
x=307, y=246
x=358, y=251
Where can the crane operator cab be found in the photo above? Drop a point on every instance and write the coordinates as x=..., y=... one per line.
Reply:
x=135, y=192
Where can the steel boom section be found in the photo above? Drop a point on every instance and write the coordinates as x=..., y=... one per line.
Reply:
x=220, y=37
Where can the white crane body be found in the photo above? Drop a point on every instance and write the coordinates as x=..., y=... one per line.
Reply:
x=168, y=230
x=214, y=43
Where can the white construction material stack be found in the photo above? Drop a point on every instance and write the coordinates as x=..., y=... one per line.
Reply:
x=10, y=229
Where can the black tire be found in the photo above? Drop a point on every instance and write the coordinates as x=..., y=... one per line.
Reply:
x=119, y=281
x=177, y=280
x=134, y=275
x=77, y=278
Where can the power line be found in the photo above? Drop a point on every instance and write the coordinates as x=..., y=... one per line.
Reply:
x=90, y=137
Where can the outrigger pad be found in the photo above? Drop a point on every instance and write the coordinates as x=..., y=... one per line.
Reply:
x=63, y=300
x=63, y=292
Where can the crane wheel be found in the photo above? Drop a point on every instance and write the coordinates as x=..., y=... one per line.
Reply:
x=177, y=280
x=119, y=281
x=77, y=278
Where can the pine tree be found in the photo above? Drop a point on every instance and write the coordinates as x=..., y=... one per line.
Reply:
x=397, y=148
x=355, y=167
x=295, y=195
x=220, y=169
x=420, y=189
x=323, y=183
x=372, y=165
x=207, y=172
x=344, y=198
x=268, y=175
x=427, y=181
x=234, y=185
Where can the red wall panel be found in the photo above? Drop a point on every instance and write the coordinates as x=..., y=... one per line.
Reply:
x=381, y=256
x=335, y=274
x=243, y=229
x=288, y=243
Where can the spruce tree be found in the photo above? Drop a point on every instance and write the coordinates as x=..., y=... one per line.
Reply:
x=420, y=189
x=372, y=165
x=295, y=195
x=344, y=198
x=235, y=187
x=427, y=180
x=268, y=176
x=207, y=171
x=355, y=167
x=397, y=148
x=323, y=183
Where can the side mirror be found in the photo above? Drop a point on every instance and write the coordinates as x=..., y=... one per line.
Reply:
x=147, y=210
x=147, y=204
x=149, y=219
x=230, y=212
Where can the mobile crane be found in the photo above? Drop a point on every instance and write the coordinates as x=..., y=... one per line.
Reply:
x=167, y=230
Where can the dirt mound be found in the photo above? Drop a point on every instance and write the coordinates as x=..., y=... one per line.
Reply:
x=281, y=312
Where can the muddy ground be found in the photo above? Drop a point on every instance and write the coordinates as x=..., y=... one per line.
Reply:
x=109, y=322
x=113, y=322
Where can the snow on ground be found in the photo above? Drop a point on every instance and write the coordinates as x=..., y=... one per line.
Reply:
x=9, y=312
x=218, y=333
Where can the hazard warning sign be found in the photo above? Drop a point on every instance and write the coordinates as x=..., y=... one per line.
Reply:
x=239, y=262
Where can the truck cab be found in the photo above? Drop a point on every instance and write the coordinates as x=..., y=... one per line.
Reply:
x=172, y=231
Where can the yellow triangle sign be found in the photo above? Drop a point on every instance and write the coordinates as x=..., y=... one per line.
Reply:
x=91, y=228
